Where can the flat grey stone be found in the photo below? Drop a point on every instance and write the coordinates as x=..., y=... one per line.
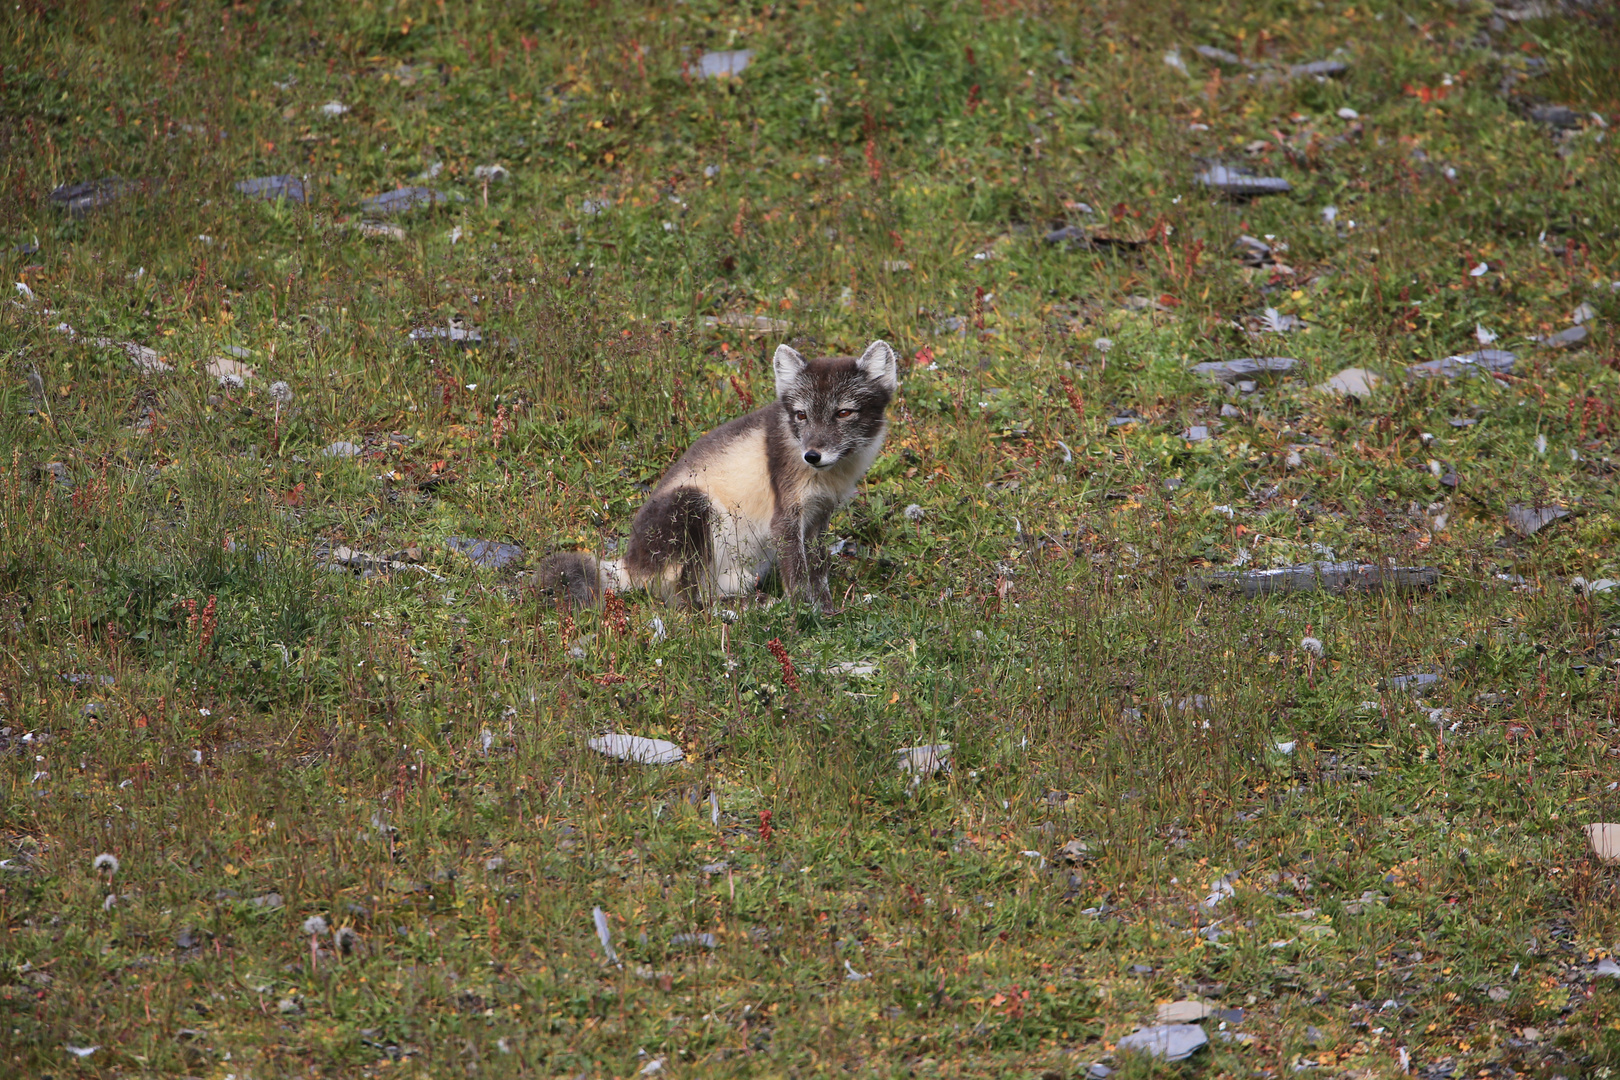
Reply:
x=1319, y=68
x=273, y=188
x=1069, y=236
x=1326, y=577
x=491, y=554
x=1481, y=362
x=702, y=941
x=1527, y=520
x=1564, y=339
x=1412, y=683
x=403, y=199
x=1172, y=1042
x=1558, y=116
x=925, y=761
x=1352, y=382
x=1253, y=251
x=1248, y=368
x=341, y=450
x=80, y=199
x=1220, y=56
x=637, y=749
x=1196, y=433
x=718, y=65
x=460, y=335
x=1238, y=185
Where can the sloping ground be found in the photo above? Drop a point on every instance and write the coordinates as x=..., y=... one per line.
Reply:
x=1230, y=616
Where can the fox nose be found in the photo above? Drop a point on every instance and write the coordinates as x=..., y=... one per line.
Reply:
x=813, y=457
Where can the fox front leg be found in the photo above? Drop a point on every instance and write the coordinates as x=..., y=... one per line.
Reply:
x=803, y=558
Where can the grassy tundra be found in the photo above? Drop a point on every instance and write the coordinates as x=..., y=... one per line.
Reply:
x=340, y=758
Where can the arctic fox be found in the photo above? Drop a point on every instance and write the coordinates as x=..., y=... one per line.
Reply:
x=755, y=492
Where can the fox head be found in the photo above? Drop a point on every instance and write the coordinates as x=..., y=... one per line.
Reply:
x=834, y=405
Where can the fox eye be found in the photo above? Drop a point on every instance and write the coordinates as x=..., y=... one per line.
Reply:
x=845, y=414
x=799, y=415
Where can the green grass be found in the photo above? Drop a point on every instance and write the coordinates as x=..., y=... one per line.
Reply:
x=404, y=753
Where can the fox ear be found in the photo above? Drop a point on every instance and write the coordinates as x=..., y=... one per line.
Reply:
x=789, y=366
x=879, y=364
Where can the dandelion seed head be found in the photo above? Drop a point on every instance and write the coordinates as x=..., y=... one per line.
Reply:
x=281, y=393
x=316, y=925
x=105, y=861
x=1311, y=645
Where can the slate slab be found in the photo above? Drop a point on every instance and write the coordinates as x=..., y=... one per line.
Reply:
x=491, y=554
x=1326, y=577
x=1231, y=371
x=273, y=188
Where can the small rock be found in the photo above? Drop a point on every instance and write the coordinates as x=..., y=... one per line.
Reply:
x=188, y=938
x=1327, y=577
x=924, y=761
x=1320, y=69
x=80, y=199
x=1527, y=520
x=1482, y=362
x=1196, y=433
x=1238, y=185
x=1565, y=339
x=1352, y=382
x=491, y=554
x=1606, y=968
x=379, y=230
x=1230, y=411
x=1347, y=113
x=703, y=941
x=1070, y=236
x=1499, y=994
x=273, y=188
x=637, y=749
x=334, y=108
x=1221, y=56
x=58, y=472
x=758, y=324
x=1232, y=371
x=403, y=199
x=341, y=449
x=724, y=65
x=1592, y=588
x=222, y=367
x=1184, y=1012
x=1075, y=851
x=1252, y=251
x=1172, y=1042
x=460, y=334
x=1556, y=116
x=1413, y=683
x=268, y=902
